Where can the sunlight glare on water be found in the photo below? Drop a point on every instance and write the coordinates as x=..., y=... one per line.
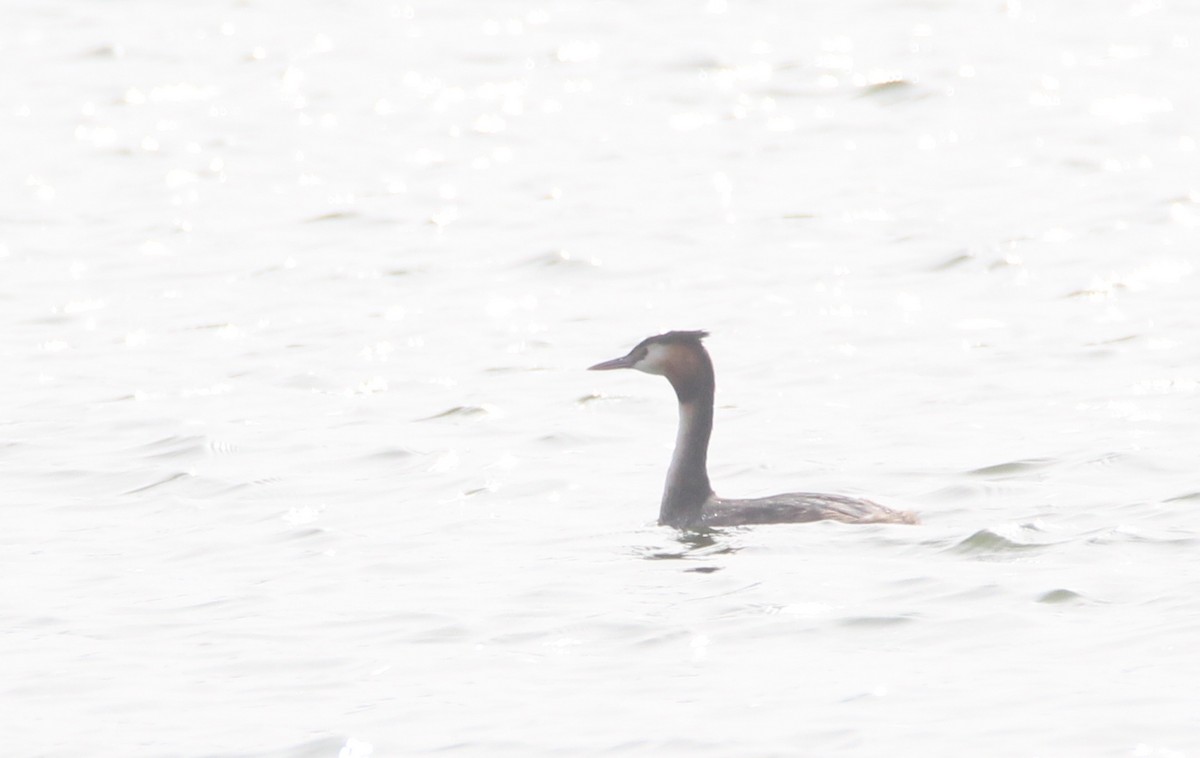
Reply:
x=301, y=459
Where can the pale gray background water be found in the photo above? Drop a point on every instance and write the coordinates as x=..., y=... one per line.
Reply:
x=299, y=458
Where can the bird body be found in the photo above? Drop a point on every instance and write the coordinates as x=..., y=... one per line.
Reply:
x=688, y=499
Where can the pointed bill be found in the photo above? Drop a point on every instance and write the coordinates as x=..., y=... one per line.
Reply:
x=625, y=361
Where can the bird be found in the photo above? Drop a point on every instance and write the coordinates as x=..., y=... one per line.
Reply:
x=688, y=500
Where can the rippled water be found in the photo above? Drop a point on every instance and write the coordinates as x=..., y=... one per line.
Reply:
x=300, y=459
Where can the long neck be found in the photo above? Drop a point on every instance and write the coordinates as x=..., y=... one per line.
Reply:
x=687, y=479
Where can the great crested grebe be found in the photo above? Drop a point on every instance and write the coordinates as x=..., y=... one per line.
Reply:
x=688, y=500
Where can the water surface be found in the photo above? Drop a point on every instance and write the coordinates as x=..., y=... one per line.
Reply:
x=300, y=459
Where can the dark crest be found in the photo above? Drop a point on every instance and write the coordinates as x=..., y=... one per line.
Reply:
x=677, y=338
